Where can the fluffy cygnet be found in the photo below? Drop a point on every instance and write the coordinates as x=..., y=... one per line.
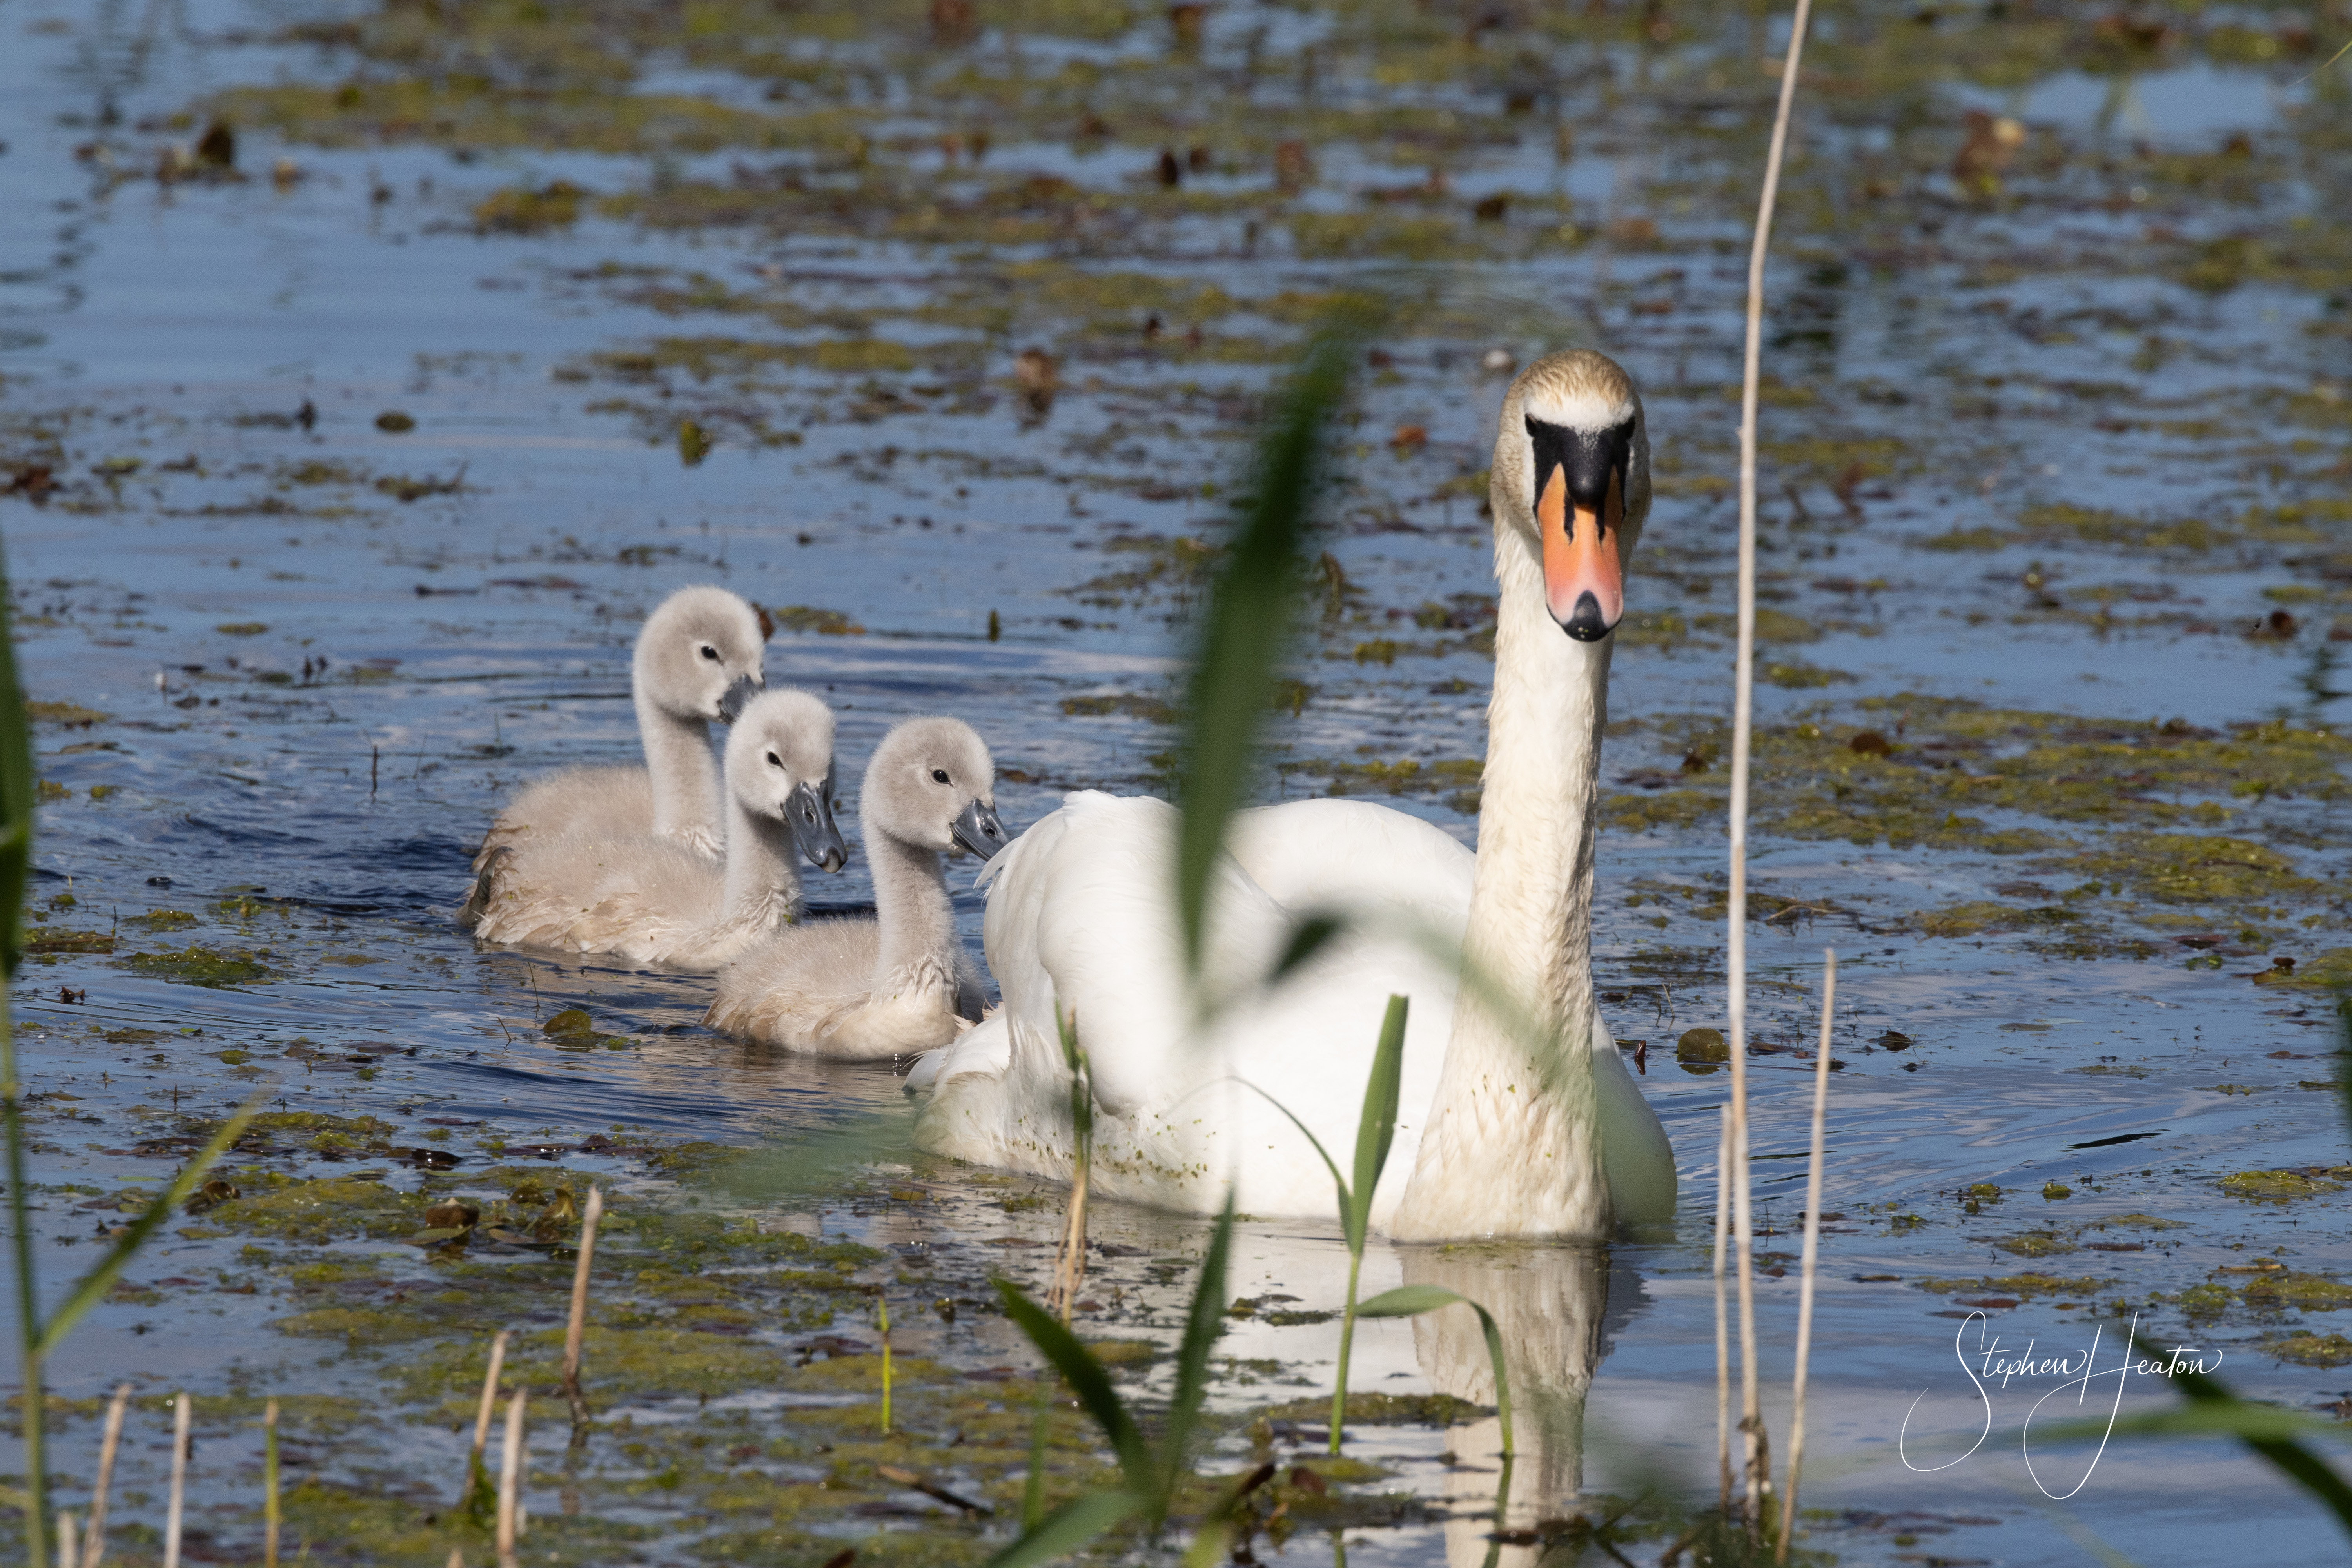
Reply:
x=698, y=658
x=656, y=901
x=900, y=982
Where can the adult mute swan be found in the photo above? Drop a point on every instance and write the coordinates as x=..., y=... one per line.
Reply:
x=899, y=983
x=657, y=901
x=698, y=658
x=1500, y=1138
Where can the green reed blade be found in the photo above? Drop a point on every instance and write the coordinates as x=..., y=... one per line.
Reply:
x=1068, y=1529
x=1087, y=1378
x=1201, y=1325
x=1250, y=607
x=93, y=1284
x=1412, y=1300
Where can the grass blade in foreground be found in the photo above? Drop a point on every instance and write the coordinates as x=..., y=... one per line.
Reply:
x=16, y=857
x=1088, y=1380
x=1412, y=1300
x=1249, y=614
x=1068, y=1529
x=1151, y=1477
x=102, y=1274
x=1374, y=1134
x=2211, y=1409
x=1202, y=1326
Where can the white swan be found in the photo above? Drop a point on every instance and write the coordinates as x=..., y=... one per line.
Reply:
x=1499, y=1140
x=657, y=901
x=900, y=982
x=698, y=658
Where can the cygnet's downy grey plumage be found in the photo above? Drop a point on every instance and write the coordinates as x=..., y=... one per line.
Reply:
x=698, y=658
x=899, y=983
x=656, y=901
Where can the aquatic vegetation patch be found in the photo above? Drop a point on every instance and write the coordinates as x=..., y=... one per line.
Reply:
x=49, y=939
x=315, y=1212
x=1972, y=918
x=2329, y=970
x=210, y=966
x=474, y=112
x=2277, y=1186
x=2330, y=1349
x=2304, y=1292
x=2022, y=1286
x=528, y=209
x=1376, y=1409
x=71, y=715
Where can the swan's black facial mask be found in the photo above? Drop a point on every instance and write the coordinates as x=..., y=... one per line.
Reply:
x=1579, y=517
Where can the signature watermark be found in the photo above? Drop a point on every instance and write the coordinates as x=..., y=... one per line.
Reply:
x=1991, y=1368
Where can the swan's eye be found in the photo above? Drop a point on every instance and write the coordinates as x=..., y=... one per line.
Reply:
x=711, y=653
x=774, y=760
x=939, y=775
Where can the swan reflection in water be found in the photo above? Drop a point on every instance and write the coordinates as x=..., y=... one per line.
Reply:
x=1551, y=1306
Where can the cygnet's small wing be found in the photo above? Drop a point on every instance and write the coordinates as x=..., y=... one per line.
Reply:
x=642, y=898
x=793, y=985
x=600, y=802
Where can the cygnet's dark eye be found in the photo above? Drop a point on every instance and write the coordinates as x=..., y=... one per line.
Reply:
x=774, y=760
x=711, y=653
x=939, y=775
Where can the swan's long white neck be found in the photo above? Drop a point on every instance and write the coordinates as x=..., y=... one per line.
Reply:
x=910, y=907
x=762, y=865
x=1513, y=1146
x=685, y=773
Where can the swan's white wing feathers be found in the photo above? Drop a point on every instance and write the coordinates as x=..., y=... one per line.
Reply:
x=1351, y=854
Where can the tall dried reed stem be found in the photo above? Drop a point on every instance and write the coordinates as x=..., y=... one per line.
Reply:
x=883, y=1320
x=1742, y=727
x=1722, y=1318
x=577, y=1328
x=510, y=1480
x=1070, y=1264
x=272, y=1517
x=1813, y=1253
x=489, y=1399
x=68, y=1547
x=93, y=1540
x=175, y=1511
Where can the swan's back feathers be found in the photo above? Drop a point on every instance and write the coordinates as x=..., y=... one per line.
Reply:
x=1351, y=856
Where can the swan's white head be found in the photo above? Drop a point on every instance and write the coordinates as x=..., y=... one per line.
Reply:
x=699, y=653
x=1571, y=477
x=932, y=784
x=780, y=765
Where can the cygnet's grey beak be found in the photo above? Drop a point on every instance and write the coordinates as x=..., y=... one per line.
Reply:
x=976, y=829
x=810, y=813
x=737, y=697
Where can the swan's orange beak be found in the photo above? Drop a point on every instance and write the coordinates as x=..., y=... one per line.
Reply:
x=1584, y=579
